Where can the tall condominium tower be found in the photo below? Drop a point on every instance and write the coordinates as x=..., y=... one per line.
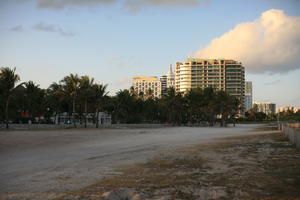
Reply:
x=248, y=95
x=222, y=74
x=146, y=84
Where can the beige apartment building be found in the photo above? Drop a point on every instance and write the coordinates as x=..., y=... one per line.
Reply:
x=144, y=84
x=221, y=74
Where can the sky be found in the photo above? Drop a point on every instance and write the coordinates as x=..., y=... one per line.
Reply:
x=113, y=40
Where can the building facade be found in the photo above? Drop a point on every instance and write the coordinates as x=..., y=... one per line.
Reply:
x=265, y=107
x=147, y=85
x=248, y=95
x=221, y=74
x=163, y=82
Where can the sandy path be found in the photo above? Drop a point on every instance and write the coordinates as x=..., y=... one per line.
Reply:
x=45, y=163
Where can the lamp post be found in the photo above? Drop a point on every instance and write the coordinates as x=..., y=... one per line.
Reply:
x=278, y=123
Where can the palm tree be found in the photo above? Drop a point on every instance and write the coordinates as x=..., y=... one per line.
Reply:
x=57, y=95
x=236, y=108
x=124, y=106
x=224, y=103
x=8, y=80
x=85, y=90
x=71, y=85
x=99, y=93
x=209, y=105
x=194, y=99
x=173, y=105
x=149, y=94
x=34, y=98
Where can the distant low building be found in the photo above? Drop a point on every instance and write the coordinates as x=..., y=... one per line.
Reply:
x=265, y=107
x=287, y=108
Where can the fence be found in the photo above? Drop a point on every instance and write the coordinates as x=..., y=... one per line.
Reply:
x=46, y=126
x=292, y=131
x=62, y=126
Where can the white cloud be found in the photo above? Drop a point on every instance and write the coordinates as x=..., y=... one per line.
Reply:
x=269, y=44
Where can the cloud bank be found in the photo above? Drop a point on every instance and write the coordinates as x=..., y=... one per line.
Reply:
x=136, y=5
x=61, y=4
x=18, y=28
x=130, y=5
x=52, y=28
x=269, y=44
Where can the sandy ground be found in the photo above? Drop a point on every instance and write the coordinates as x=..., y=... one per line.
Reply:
x=256, y=167
x=44, y=164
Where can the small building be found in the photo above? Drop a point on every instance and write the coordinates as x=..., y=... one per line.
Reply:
x=65, y=118
x=104, y=118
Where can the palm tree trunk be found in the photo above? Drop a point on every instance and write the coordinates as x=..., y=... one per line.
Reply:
x=58, y=112
x=97, y=114
x=6, y=112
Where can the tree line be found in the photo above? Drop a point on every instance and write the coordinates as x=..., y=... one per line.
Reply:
x=81, y=95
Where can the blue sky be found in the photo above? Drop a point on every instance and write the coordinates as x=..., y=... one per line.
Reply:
x=112, y=42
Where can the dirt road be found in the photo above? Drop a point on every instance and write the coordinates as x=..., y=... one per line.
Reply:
x=43, y=164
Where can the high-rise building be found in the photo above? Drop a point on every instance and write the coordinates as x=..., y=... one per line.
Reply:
x=265, y=107
x=248, y=95
x=167, y=80
x=147, y=85
x=221, y=74
x=170, y=78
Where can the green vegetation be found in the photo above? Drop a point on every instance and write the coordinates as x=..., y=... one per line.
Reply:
x=80, y=95
x=8, y=80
